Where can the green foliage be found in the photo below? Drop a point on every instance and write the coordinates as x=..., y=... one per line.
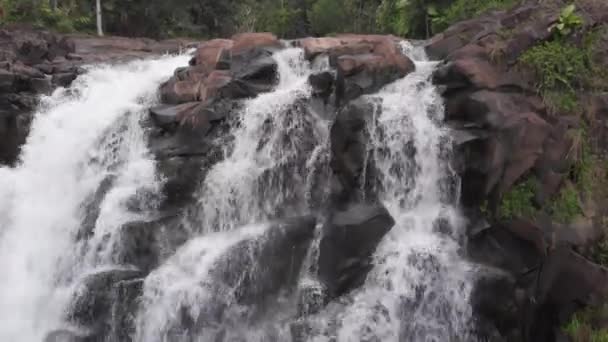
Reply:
x=518, y=202
x=566, y=206
x=561, y=68
x=328, y=16
x=562, y=101
x=395, y=17
x=465, y=9
x=568, y=21
x=279, y=20
x=65, y=18
x=558, y=64
x=286, y=18
x=413, y=18
x=583, y=326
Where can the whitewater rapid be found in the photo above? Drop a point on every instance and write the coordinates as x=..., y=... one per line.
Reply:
x=79, y=137
x=419, y=287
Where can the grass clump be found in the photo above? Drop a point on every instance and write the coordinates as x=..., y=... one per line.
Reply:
x=582, y=327
x=464, y=9
x=566, y=206
x=560, y=67
x=519, y=201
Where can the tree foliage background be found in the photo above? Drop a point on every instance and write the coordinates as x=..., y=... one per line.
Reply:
x=217, y=18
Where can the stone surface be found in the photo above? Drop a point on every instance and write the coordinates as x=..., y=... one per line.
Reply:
x=348, y=242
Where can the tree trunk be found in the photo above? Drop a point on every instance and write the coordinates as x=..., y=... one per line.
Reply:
x=99, y=23
x=53, y=4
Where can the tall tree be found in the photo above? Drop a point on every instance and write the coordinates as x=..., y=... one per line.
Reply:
x=98, y=15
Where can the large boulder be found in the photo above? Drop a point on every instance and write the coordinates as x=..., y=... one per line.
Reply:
x=250, y=40
x=145, y=244
x=566, y=283
x=364, y=63
x=347, y=245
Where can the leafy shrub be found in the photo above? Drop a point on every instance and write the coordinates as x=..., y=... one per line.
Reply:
x=568, y=21
x=395, y=17
x=65, y=18
x=518, y=202
x=465, y=9
x=582, y=327
x=566, y=206
x=558, y=64
x=328, y=16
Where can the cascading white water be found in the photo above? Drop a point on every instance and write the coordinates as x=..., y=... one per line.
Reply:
x=261, y=172
x=79, y=138
x=264, y=169
x=419, y=287
x=91, y=137
x=418, y=290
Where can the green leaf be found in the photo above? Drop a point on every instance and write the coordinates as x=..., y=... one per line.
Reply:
x=432, y=11
x=568, y=10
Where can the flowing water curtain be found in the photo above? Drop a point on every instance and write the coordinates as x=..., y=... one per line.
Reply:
x=265, y=173
x=419, y=287
x=39, y=244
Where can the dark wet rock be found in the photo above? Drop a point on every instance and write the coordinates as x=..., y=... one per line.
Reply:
x=348, y=242
x=144, y=244
x=268, y=263
x=184, y=158
x=252, y=279
x=64, y=336
x=93, y=306
x=92, y=207
x=64, y=79
x=322, y=84
x=349, y=139
x=498, y=302
x=566, y=283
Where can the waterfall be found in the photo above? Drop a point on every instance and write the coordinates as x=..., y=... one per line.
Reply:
x=419, y=287
x=248, y=267
x=80, y=136
x=265, y=170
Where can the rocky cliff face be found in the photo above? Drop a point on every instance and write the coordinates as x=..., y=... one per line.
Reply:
x=518, y=159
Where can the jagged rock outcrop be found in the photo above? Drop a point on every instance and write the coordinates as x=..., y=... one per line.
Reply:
x=505, y=134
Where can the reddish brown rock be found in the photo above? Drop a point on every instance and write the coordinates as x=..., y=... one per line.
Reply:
x=316, y=46
x=176, y=92
x=247, y=41
x=213, y=84
x=168, y=115
x=214, y=54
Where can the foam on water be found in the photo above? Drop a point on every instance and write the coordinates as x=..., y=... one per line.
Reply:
x=65, y=159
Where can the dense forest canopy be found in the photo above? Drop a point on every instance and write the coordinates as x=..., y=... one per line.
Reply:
x=213, y=18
